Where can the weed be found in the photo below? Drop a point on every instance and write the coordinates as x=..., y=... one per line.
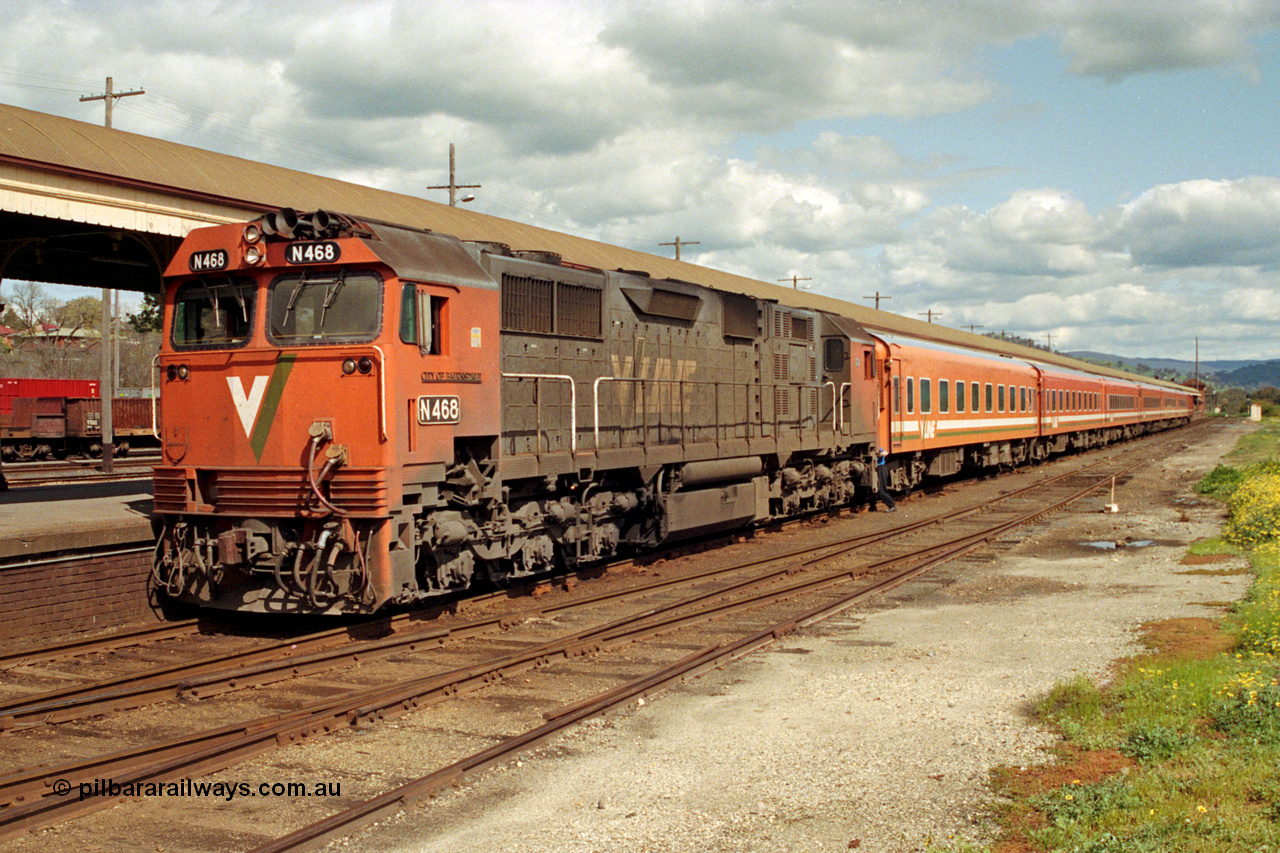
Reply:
x=1249, y=706
x=1220, y=483
x=1148, y=743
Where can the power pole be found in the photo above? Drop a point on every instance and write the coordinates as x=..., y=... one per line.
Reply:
x=453, y=186
x=678, y=243
x=110, y=98
x=106, y=338
x=1049, y=337
x=930, y=314
x=795, y=281
x=877, y=298
x=974, y=326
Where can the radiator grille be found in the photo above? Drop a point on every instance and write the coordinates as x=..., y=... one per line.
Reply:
x=272, y=491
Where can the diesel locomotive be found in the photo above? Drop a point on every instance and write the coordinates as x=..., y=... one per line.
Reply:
x=358, y=413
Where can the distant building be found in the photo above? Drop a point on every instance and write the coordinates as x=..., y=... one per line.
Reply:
x=52, y=334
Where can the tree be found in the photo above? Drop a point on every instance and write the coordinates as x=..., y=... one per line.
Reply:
x=149, y=315
x=84, y=312
x=30, y=304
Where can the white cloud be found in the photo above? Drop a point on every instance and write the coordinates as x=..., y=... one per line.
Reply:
x=1204, y=223
x=624, y=122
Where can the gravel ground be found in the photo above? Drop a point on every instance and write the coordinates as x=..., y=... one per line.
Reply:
x=874, y=730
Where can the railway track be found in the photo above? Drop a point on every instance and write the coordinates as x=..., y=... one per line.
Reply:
x=820, y=579
x=136, y=466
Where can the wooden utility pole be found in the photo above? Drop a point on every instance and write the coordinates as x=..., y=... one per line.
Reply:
x=106, y=337
x=110, y=98
x=1049, y=337
x=877, y=298
x=930, y=314
x=795, y=281
x=453, y=186
x=973, y=327
x=678, y=243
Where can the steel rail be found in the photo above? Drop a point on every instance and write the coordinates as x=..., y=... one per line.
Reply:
x=220, y=748
x=152, y=761
x=293, y=658
x=362, y=814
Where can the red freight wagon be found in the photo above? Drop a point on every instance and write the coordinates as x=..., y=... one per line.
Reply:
x=15, y=388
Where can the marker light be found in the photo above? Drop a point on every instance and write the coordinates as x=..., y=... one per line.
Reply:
x=183, y=372
x=366, y=365
x=349, y=366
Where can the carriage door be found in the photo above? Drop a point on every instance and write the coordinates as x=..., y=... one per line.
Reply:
x=896, y=401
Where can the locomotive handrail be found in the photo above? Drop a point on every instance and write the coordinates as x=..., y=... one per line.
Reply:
x=595, y=401
x=835, y=406
x=573, y=403
x=155, y=421
x=382, y=391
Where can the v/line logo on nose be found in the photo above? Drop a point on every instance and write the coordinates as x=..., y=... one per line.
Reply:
x=256, y=407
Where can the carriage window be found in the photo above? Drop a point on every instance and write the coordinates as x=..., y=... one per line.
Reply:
x=210, y=314
x=911, y=395
x=897, y=400
x=989, y=397
x=926, y=395
x=341, y=307
x=1022, y=399
x=1000, y=397
x=944, y=396
x=975, y=400
x=959, y=396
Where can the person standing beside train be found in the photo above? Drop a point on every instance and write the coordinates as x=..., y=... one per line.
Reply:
x=882, y=482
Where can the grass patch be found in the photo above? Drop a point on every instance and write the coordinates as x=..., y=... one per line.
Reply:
x=1259, y=445
x=1182, y=750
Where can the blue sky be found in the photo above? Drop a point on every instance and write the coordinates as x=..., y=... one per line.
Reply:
x=1097, y=171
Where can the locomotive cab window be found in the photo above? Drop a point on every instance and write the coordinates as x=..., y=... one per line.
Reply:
x=210, y=314
x=329, y=308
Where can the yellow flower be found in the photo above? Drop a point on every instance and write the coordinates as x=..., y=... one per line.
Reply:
x=1201, y=809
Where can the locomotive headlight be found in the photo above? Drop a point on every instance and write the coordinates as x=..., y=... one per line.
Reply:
x=349, y=366
x=177, y=371
x=366, y=365
x=252, y=233
x=183, y=372
x=254, y=255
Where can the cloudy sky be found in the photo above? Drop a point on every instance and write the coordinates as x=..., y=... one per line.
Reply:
x=1103, y=172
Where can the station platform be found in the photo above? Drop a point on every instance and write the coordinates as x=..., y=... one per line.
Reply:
x=49, y=519
x=74, y=559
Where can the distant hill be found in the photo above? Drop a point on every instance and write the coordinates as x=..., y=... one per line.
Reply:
x=1249, y=375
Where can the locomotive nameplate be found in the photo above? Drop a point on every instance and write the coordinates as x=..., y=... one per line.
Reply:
x=211, y=261
x=322, y=252
x=439, y=410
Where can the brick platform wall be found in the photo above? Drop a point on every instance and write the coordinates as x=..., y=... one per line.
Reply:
x=75, y=595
